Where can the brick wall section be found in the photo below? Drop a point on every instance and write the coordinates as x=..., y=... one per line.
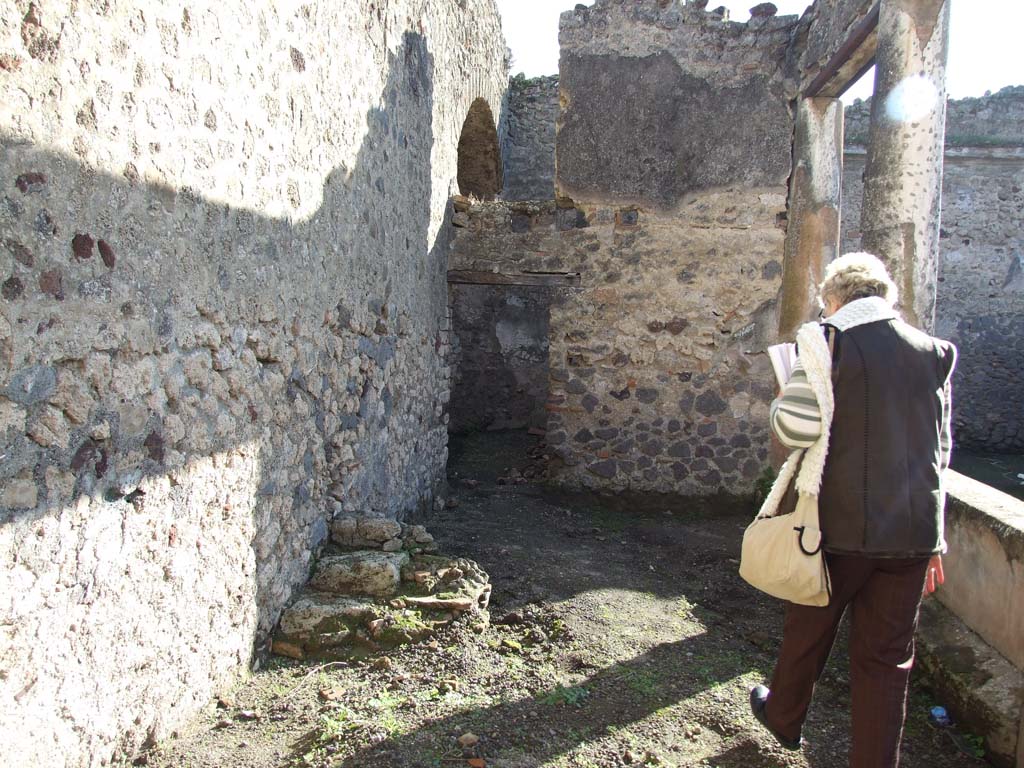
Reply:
x=222, y=252
x=529, y=147
x=980, y=303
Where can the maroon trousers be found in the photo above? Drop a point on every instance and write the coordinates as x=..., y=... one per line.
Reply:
x=884, y=596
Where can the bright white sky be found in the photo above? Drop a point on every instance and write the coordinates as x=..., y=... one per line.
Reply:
x=984, y=41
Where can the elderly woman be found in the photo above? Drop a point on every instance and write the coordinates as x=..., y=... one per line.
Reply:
x=880, y=506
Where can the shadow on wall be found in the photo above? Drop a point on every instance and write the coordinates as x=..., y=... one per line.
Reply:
x=189, y=391
x=480, y=173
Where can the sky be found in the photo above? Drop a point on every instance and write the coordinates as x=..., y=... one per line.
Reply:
x=984, y=40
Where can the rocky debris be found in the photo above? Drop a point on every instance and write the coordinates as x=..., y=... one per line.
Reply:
x=534, y=469
x=371, y=600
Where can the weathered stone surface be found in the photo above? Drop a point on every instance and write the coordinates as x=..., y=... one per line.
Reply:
x=829, y=24
x=980, y=688
x=255, y=314
x=363, y=531
x=903, y=168
x=647, y=114
x=313, y=609
x=608, y=366
x=499, y=356
x=812, y=231
x=360, y=573
x=605, y=152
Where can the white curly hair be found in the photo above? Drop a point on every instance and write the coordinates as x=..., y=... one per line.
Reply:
x=857, y=275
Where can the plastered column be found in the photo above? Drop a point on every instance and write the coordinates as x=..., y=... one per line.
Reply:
x=812, y=237
x=903, y=177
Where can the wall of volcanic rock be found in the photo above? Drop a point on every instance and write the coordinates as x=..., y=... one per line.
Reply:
x=673, y=166
x=223, y=243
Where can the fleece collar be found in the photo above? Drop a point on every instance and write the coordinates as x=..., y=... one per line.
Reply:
x=861, y=312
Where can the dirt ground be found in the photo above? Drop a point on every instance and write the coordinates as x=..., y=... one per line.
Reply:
x=620, y=634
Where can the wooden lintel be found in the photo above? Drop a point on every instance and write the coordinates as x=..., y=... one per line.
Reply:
x=545, y=279
x=854, y=57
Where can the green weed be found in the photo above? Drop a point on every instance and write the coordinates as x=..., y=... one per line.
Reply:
x=573, y=696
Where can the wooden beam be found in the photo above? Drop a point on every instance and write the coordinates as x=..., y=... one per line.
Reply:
x=543, y=279
x=853, y=59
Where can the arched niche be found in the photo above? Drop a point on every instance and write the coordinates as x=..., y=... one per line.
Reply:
x=479, y=173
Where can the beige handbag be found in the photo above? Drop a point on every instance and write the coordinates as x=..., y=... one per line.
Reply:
x=782, y=546
x=782, y=552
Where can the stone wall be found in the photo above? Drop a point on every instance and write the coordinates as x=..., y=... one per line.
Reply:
x=223, y=241
x=529, y=141
x=980, y=303
x=499, y=358
x=656, y=383
x=671, y=186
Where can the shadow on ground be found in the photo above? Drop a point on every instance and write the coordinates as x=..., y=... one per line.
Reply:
x=621, y=635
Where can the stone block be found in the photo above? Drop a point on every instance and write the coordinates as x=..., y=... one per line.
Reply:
x=985, y=563
x=313, y=610
x=360, y=573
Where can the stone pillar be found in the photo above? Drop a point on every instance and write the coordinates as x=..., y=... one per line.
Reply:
x=903, y=175
x=812, y=235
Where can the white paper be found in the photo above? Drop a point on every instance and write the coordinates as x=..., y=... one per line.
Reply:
x=783, y=357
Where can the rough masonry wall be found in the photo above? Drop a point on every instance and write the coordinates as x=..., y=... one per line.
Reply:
x=223, y=241
x=499, y=360
x=980, y=303
x=676, y=162
x=529, y=141
x=654, y=385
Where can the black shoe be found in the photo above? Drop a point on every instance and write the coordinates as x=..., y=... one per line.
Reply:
x=758, y=700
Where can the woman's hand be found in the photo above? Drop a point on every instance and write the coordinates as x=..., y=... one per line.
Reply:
x=935, y=576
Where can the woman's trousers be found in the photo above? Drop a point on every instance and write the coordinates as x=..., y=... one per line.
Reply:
x=884, y=597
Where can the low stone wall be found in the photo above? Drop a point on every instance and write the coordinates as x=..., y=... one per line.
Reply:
x=974, y=655
x=528, y=150
x=985, y=564
x=499, y=357
x=222, y=240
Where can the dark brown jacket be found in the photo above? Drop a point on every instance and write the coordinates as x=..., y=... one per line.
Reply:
x=880, y=491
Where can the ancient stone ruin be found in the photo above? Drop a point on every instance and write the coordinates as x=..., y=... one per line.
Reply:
x=235, y=242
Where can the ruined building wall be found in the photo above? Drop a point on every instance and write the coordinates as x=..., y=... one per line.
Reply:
x=980, y=303
x=223, y=241
x=529, y=142
x=677, y=164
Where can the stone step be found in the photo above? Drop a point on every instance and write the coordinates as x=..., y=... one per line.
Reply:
x=981, y=689
x=405, y=600
x=316, y=622
x=367, y=573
